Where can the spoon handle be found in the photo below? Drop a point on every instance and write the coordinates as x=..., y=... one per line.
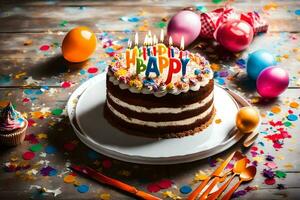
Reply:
x=216, y=194
x=210, y=187
x=250, y=139
x=231, y=191
x=195, y=193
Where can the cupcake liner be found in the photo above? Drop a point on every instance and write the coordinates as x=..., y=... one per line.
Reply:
x=15, y=138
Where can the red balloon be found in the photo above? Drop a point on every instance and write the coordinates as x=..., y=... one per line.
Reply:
x=234, y=35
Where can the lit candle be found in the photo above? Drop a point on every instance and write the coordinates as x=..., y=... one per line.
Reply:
x=136, y=39
x=161, y=49
x=170, y=46
x=184, y=62
x=140, y=66
x=181, y=47
x=154, y=45
x=163, y=62
x=152, y=66
x=162, y=36
x=144, y=48
x=149, y=44
x=130, y=55
x=174, y=67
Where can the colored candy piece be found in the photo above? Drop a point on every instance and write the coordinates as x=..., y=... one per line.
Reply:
x=53, y=172
x=69, y=179
x=294, y=105
x=270, y=181
x=105, y=196
x=93, y=155
x=28, y=155
x=165, y=183
x=69, y=146
x=292, y=117
x=46, y=171
x=50, y=150
x=36, y=147
x=153, y=188
x=83, y=188
x=92, y=70
x=276, y=109
x=45, y=48
x=106, y=163
x=57, y=111
x=185, y=189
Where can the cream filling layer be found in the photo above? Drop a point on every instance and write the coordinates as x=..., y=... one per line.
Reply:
x=161, y=124
x=162, y=110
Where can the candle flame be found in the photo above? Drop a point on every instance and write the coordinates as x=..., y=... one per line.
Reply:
x=129, y=43
x=182, y=43
x=162, y=36
x=170, y=41
x=146, y=40
x=150, y=40
x=136, y=39
x=155, y=40
x=149, y=33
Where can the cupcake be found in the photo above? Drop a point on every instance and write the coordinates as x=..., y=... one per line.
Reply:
x=12, y=126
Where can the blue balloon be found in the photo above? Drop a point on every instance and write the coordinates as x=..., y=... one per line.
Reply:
x=258, y=61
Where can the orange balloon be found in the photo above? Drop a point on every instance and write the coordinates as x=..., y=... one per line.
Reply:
x=247, y=119
x=79, y=44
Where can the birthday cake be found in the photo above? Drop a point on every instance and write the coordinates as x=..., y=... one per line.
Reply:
x=159, y=91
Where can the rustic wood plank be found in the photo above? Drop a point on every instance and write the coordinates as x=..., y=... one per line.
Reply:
x=140, y=175
x=19, y=61
x=26, y=19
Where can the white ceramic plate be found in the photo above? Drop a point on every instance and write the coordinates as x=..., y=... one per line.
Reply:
x=85, y=109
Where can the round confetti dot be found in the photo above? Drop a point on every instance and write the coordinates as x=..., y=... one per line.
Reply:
x=106, y=164
x=83, y=188
x=65, y=84
x=165, y=184
x=28, y=155
x=218, y=121
x=270, y=181
x=92, y=70
x=93, y=155
x=287, y=124
x=53, y=172
x=45, y=48
x=292, y=117
x=185, y=189
x=50, y=150
x=294, y=105
x=57, y=112
x=36, y=147
x=69, y=179
x=153, y=188
x=69, y=146
x=275, y=109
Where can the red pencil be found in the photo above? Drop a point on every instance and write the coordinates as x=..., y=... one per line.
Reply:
x=112, y=182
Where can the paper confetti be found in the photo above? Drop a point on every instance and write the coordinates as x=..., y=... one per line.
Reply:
x=83, y=188
x=28, y=155
x=185, y=189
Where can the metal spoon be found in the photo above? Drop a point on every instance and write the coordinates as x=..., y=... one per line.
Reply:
x=250, y=139
x=238, y=168
x=247, y=175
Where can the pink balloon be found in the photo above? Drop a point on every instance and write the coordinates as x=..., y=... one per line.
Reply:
x=185, y=23
x=272, y=81
x=235, y=35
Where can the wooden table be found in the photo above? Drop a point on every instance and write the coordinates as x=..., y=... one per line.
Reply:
x=36, y=78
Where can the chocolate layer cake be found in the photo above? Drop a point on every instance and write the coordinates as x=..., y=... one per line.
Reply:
x=148, y=104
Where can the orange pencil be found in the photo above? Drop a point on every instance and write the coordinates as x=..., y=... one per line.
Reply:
x=112, y=182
